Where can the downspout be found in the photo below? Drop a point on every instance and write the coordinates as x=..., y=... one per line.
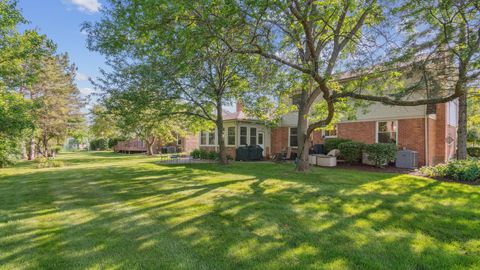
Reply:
x=427, y=158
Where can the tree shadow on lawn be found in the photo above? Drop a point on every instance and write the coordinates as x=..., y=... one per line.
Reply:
x=241, y=216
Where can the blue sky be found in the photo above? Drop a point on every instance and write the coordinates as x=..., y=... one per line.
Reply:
x=61, y=21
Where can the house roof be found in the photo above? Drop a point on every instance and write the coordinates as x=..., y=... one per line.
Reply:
x=234, y=115
x=238, y=116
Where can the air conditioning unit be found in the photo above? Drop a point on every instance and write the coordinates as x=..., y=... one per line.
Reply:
x=406, y=159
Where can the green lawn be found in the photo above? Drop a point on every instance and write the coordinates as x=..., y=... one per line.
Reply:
x=107, y=211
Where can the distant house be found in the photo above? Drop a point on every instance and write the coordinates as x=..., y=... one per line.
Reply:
x=428, y=130
x=135, y=145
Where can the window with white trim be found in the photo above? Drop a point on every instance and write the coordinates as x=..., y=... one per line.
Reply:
x=387, y=131
x=330, y=133
x=231, y=135
x=292, y=137
x=260, y=138
x=207, y=138
x=243, y=135
x=211, y=138
x=203, y=138
x=253, y=136
x=453, y=113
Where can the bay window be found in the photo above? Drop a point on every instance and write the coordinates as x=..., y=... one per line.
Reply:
x=231, y=135
x=243, y=135
x=253, y=136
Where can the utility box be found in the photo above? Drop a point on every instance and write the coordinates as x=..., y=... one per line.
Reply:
x=406, y=159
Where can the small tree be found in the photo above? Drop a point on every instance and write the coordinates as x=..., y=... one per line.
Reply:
x=139, y=108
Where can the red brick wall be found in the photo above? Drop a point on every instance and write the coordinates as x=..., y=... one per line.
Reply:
x=190, y=143
x=317, y=137
x=411, y=135
x=357, y=131
x=279, y=139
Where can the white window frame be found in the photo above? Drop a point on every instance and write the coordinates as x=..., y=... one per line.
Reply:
x=234, y=134
x=207, y=134
x=258, y=137
x=206, y=138
x=240, y=135
x=455, y=106
x=289, y=145
x=396, y=132
x=250, y=135
x=330, y=137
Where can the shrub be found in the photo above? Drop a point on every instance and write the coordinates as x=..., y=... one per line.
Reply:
x=331, y=144
x=56, y=149
x=203, y=154
x=43, y=162
x=381, y=153
x=474, y=151
x=212, y=155
x=99, y=144
x=9, y=152
x=195, y=154
x=351, y=151
x=112, y=142
x=40, y=160
x=459, y=170
x=56, y=163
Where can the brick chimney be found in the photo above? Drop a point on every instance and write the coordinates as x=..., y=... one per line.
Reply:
x=239, y=106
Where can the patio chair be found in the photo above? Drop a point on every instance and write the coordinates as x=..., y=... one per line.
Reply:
x=282, y=156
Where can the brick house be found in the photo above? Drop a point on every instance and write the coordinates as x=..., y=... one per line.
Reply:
x=239, y=130
x=429, y=130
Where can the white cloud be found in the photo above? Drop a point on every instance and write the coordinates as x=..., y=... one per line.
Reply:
x=86, y=91
x=81, y=76
x=87, y=5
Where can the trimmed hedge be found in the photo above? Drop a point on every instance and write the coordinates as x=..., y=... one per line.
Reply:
x=333, y=143
x=474, y=151
x=351, y=151
x=459, y=170
x=381, y=153
x=204, y=154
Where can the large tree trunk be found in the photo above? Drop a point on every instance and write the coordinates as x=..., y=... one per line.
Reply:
x=45, y=145
x=303, y=137
x=31, y=149
x=150, y=143
x=303, y=143
x=462, y=127
x=222, y=151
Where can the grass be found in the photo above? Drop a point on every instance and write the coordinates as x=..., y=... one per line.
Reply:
x=111, y=211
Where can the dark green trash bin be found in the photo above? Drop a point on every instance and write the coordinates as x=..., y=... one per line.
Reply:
x=242, y=153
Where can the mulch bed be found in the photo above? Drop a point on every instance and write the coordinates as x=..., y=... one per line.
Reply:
x=393, y=169
x=368, y=168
